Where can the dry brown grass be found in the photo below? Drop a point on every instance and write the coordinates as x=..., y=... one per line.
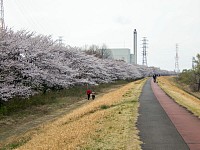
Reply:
x=106, y=123
x=180, y=96
x=185, y=87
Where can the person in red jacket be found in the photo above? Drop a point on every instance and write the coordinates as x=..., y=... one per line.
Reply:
x=88, y=93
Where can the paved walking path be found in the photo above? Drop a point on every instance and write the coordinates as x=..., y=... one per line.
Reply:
x=156, y=129
x=186, y=123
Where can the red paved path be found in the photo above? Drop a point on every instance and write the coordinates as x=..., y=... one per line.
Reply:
x=187, y=124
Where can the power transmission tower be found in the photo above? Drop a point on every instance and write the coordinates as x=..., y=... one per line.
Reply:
x=144, y=52
x=176, y=60
x=60, y=40
x=2, y=24
x=193, y=62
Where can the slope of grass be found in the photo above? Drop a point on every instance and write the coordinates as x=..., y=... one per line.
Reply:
x=185, y=87
x=180, y=96
x=18, y=121
x=108, y=122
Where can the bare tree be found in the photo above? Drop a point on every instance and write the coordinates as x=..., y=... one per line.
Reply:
x=197, y=71
x=105, y=52
x=91, y=50
x=100, y=52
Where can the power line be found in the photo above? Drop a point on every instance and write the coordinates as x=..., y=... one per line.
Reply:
x=24, y=10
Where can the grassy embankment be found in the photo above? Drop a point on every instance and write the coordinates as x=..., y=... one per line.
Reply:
x=17, y=116
x=18, y=111
x=185, y=87
x=55, y=98
x=191, y=103
x=109, y=122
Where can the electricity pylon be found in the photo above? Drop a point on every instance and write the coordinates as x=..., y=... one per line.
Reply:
x=176, y=60
x=2, y=24
x=144, y=52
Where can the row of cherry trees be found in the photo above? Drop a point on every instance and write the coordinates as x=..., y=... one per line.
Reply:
x=31, y=63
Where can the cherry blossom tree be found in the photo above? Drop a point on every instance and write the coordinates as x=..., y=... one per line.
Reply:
x=31, y=64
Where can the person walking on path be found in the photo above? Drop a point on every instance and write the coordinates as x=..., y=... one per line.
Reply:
x=154, y=78
x=88, y=93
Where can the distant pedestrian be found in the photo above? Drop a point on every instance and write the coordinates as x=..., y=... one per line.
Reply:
x=154, y=78
x=88, y=93
x=93, y=95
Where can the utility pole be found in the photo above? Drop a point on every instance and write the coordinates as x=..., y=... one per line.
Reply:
x=144, y=52
x=176, y=60
x=2, y=24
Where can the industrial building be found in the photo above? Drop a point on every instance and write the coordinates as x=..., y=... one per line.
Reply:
x=122, y=54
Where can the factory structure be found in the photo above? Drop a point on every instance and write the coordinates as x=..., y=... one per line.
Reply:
x=124, y=54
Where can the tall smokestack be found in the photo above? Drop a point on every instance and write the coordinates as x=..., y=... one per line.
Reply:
x=135, y=45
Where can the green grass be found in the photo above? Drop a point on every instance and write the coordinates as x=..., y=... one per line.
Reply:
x=15, y=144
x=104, y=106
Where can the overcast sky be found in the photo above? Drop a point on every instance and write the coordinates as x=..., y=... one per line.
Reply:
x=86, y=22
